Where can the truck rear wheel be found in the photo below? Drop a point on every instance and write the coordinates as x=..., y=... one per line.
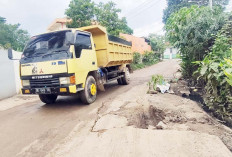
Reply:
x=48, y=98
x=126, y=77
x=89, y=94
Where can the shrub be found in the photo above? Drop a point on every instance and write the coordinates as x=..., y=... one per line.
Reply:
x=193, y=31
x=141, y=61
x=137, y=58
x=150, y=58
x=137, y=66
x=216, y=72
x=228, y=72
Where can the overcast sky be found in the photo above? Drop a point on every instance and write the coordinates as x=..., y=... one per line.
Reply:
x=143, y=16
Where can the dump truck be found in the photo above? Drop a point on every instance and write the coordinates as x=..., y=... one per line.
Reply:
x=73, y=61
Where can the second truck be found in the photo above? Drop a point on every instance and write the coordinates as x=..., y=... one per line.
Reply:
x=74, y=61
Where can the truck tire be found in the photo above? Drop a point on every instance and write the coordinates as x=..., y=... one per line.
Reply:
x=48, y=98
x=119, y=81
x=89, y=94
x=126, y=77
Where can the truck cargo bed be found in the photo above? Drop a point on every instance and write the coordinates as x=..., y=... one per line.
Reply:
x=110, y=50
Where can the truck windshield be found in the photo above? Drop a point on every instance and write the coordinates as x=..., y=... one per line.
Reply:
x=46, y=44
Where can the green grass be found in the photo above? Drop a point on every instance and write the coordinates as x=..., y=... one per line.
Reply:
x=143, y=65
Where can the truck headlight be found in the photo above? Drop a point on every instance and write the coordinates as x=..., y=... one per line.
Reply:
x=25, y=83
x=64, y=80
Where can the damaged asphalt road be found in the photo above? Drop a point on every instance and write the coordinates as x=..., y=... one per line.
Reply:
x=124, y=121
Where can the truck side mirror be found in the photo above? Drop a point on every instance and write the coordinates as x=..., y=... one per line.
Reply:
x=69, y=38
x=10, y=54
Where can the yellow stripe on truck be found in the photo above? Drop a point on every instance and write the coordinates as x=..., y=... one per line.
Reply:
x=72, y=89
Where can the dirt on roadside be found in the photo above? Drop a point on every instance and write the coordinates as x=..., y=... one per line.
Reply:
x=175, y=111
x=172, y=112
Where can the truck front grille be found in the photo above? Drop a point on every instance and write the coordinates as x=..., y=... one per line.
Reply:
x=41, y=83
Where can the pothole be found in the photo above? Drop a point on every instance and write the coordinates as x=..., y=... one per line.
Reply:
x=143, y=118
x=176, y=117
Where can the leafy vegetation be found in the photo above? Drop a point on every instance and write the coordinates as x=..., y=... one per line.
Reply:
x=137, y=58
x=150, y=58
x=83, y=12
x=204, y=38
x=137, y=66
x=216, y=72
x=157, y=43
x=228, y=73
x=12, y=36
x=2, y=19
x=108, y=16
x=137, y=61
x=147, y=59
x=156, y=80
x=193, y=31
x=175, y=5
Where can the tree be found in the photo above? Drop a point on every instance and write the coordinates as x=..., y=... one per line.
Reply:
x=2, y=20
x=81, y=12
x=175, y=5
x=193, y=31
x=157, y=43
x=107, y=16
x=12, y=36
x=221, y=3
x=124, y=27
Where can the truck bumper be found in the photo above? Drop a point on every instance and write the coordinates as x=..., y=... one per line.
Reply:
x=53, y=90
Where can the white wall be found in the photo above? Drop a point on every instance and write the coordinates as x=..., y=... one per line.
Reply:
x=10, y=83
x=170, y=53
x=16, y=71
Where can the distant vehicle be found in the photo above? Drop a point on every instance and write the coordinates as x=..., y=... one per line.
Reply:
x=73, y=61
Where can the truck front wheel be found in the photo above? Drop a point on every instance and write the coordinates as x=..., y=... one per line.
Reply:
x=89, y=94
x=48, y=98
x=119, y=81
x=126, y=77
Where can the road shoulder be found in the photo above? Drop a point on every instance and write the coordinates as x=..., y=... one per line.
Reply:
x=127, y=126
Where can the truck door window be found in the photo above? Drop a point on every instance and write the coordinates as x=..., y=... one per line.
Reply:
x=83, y=41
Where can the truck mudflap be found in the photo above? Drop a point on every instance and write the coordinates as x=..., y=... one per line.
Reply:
x=52, y=90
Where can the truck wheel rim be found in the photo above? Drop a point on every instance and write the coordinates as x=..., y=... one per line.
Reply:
x=93, y=89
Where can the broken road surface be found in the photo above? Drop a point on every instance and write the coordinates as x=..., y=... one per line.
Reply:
x=124, y=121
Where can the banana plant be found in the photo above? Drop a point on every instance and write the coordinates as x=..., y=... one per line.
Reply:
x=228, y=72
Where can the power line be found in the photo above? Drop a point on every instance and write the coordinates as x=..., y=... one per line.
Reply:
x=145, y=9
x=141, y=8
x=138, y=7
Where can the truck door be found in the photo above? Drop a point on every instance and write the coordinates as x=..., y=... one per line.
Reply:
x=85, y=56
x=85, y=51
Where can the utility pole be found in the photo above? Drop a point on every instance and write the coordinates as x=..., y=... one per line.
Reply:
x=211, y=4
